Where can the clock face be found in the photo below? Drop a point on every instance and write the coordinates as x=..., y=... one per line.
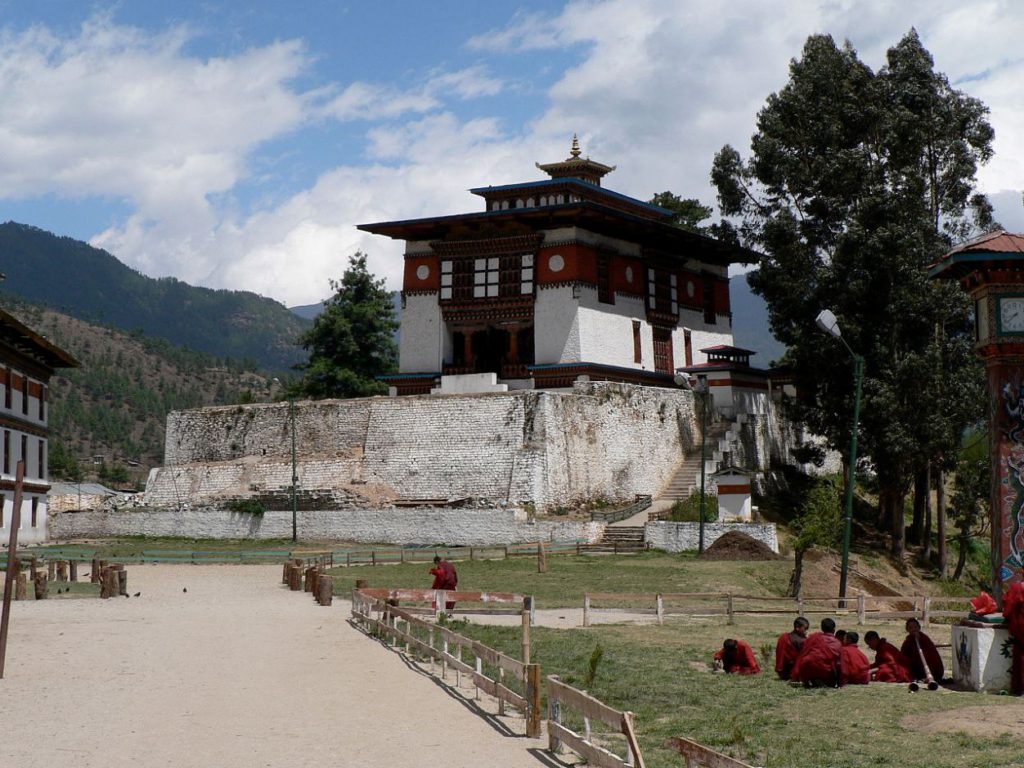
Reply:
x=1011, y=314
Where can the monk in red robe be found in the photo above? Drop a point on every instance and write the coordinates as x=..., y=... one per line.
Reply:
x=856, y=666
x=916, y=637
x=445, y=577
x=737, y=657
x=788, y=647
x=821, y=661
x=890, y=665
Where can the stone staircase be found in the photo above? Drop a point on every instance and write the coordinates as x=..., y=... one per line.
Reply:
x=687, y=477
x=620, y=539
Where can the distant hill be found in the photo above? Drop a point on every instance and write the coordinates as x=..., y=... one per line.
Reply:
x=85, y=282
x=115, y=405
x=750, y=324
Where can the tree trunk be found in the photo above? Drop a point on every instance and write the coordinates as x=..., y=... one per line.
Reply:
x=961, y=561
x=940, y=520
x=798, y=570
x=926, y=537
x=920, y=501
x=894, y=500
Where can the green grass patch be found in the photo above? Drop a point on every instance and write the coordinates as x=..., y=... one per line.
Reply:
x=568, y=577
x=662, y=674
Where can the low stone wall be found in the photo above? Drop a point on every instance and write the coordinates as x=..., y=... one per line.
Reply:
x=455, y=527
x=682, y=537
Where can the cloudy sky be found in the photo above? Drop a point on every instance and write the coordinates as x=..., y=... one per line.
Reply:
x=237, y=144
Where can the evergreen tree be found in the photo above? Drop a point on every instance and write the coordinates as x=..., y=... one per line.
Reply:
x=352, y=340
x=687, y=213
x=857, y=182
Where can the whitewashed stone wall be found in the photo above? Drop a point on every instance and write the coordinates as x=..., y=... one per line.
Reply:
x=456, y=527
x=547, y=449
x=683, y=537
x=606, y=331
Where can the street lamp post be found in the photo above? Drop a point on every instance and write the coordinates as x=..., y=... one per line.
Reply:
x=827, y=322
x=295, y=475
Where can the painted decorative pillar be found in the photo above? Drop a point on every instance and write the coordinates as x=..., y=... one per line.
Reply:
x=991, y=269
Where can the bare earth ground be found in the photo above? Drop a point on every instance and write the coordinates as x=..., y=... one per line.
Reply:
x=237, y=671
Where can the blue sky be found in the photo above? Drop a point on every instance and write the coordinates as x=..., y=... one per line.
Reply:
x=237, y=145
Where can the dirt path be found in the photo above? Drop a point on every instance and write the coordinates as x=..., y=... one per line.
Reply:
x=237, y=671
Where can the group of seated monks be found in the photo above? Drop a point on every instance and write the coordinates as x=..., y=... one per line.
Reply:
x=832, y=658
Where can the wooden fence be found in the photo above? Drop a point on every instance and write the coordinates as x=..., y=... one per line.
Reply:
x=421, y=638
x=642, y=502
x=865, y=607
x=698, y=756
x=562, y=697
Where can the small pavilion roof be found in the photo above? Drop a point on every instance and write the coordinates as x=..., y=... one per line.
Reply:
x=1000, y=246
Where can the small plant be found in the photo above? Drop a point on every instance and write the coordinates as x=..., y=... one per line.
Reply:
x=247, y=506
x=592, y=665
x=767, y=653
x=688, y=510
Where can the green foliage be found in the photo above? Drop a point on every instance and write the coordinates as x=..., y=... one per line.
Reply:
x=93, y=285
x=114, y=474
x=819, y=521
x=62, y=463
x=970, y=503
x=858, y=181
x=352, y=340
x=592, y=665
x=247, y=506
x=687, y=213
x=688, y=510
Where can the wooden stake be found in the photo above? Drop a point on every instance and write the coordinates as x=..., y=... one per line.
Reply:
x=73, y=568
x=12, y=548
x=527, y=611
x=41, y=583
x=542, y=560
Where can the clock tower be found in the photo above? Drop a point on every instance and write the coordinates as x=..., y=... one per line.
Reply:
x=991, y=269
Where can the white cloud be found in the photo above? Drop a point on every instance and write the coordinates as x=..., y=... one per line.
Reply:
x=657, y=87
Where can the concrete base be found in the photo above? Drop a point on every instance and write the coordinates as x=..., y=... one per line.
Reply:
x=981, y=658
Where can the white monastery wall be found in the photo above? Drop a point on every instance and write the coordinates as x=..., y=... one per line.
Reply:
x=543, y=448
x=422, y=335
x=684, y=537
x=606, y=331
x=556, y=326
x=700, y=337
x=32, y=528
x=398, y=526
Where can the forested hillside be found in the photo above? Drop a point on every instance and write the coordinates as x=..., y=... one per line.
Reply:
x=85, y=282
x=115, y=405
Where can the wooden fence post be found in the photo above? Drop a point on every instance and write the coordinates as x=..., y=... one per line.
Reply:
x=729, y=608
x=73, y=568
x=555, y=716
x=533, y=701
x=41, y=585
x=62, y=570
x=325, y=590
x=94, y=573
x=542, y=560
x=527, y=615
x=21, y=586
x=122, y=581
x=51, y=569
x=586, y=609
x=926, y=614
x=861, y=609
x=660, y=609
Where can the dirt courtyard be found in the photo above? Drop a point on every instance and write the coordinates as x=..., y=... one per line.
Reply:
x=235, y=671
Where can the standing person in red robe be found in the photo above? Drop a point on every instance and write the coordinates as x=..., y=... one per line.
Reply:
x=890, y=665
x=737, y=657
x=788, y=647
x=1013, y=611
x=856, y=666
x=821, y=661
x=931, y=654
x=445, y=577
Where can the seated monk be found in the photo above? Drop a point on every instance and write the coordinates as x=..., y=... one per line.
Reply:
x=890, y=665
x=820, y=662
x=931, y=654
x=788, y=647
x=737, y=657
x=856, y=667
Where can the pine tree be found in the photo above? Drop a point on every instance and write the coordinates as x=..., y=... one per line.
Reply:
x=352, y=341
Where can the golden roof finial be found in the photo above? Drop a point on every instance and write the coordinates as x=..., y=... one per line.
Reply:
x=575, y=151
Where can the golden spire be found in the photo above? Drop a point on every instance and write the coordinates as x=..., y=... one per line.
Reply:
x=575, y=151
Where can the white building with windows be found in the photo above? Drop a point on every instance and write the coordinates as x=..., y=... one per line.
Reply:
x=558, y=280
x=27, y=362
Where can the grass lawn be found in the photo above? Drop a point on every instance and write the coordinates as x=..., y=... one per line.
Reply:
x=662, y=674
x=569, y=576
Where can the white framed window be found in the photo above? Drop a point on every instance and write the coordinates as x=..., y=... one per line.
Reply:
x=446, y=279
x=526, y=274
x=486, y=274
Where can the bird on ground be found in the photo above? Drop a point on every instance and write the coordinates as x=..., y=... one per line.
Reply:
x=184, y=589
x=136, y=594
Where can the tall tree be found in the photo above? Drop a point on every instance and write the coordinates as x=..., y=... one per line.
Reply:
x=352, y=340
x=687, y=213
x=857, y=181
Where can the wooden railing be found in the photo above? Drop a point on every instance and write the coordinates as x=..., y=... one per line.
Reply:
x=866, y=607
x=698, y=756
x=642, y=502
x=562, y=697
x=372, y=611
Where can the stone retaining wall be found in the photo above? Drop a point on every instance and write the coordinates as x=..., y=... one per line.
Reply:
x=682, y=537
x=455, y=527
